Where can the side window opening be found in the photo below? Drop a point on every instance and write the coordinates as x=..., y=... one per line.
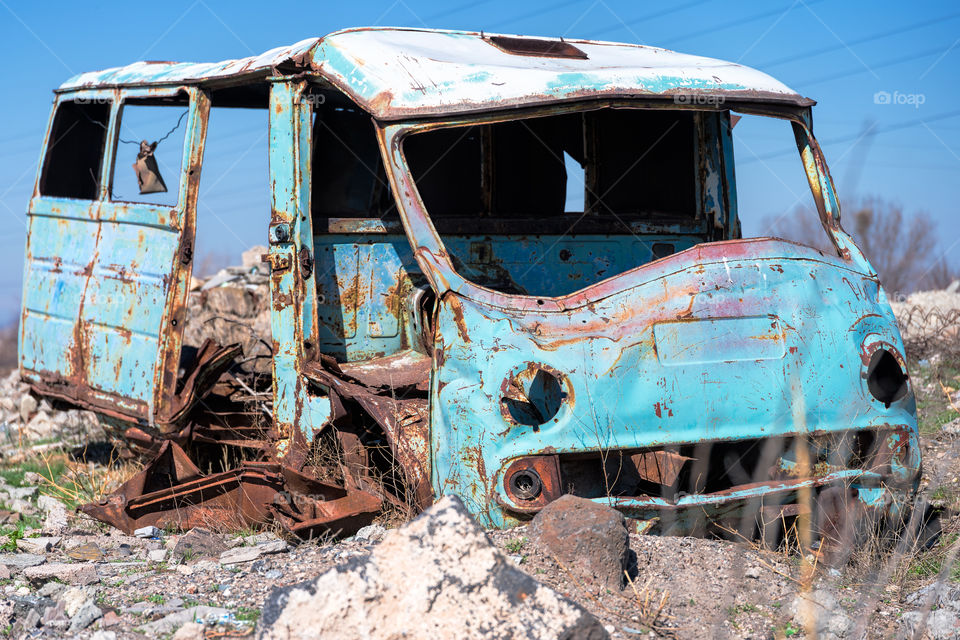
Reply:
x=349, y=180
x=147, y=167
x=365, y=275
x=644, y=163
x=74, y=157
x=773, y=196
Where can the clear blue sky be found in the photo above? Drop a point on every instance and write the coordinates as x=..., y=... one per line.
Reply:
x=839, y=53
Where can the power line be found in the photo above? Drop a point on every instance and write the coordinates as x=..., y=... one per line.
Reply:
x=649, y=16
x=870, y=38
x=880, y=65
x=737, y=22
x=906, y=124
x=538, y=12
x=457, y=9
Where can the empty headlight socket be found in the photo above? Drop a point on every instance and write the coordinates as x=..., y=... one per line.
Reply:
x=885, y=372
x=531, y=483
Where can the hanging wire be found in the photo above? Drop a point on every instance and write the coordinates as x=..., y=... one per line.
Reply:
x=167, y=135
x=177, y=126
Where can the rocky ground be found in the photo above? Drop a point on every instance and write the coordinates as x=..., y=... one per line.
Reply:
x=64, y=575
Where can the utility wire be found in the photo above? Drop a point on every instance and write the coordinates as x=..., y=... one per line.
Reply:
x=538, y=12
x=736, y=22
x=906, y=124
x=870, y=38
x=649, y=16
x=880, y=65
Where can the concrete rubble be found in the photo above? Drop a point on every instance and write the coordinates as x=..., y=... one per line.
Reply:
x=233, y=306
x=441, y=571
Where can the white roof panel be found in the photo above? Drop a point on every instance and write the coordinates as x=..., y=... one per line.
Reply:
x=397, y=73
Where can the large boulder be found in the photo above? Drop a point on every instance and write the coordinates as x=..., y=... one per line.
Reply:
x=437, y=577
x=589, y=539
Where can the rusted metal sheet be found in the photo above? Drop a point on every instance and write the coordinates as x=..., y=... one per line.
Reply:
x=660, y=467
x=662, y=364
x=172, y=492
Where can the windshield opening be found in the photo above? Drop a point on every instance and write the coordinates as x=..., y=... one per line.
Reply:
x=548, y=205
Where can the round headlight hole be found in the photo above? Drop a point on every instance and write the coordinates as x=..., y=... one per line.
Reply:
x=533, y=397
x=886, y=379
x=525, y=484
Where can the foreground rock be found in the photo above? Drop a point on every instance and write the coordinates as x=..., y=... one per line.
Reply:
x=588, y=539
x=437, y=577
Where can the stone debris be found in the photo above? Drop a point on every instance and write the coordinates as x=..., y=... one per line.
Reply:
x=200, y=614
x=74, y=573
x=240, y=555
x=85, y=616
x=938, y=595
x=56, y=517
x=190, y=631
x=18, y=562
x=25, y=420
x=148, y=532
x=939, y=624
x=233, y=306
x=928, y=315
x=588, y=539
x=75, y=597
x=370, y=534
x=198, y=543
x=820, y=613
x=89, y=552
x=438, y=576
x=38, y=545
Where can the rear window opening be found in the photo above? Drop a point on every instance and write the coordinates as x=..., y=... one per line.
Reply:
x=74, y=157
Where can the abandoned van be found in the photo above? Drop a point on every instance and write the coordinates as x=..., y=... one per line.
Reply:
x=506, y=268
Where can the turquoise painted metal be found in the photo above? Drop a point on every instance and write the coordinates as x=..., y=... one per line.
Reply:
x=669, y=367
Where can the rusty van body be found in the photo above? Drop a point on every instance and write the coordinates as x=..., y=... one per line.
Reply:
x=444, y=320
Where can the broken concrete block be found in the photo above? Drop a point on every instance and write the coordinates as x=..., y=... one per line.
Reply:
x=80, y=574
x=38, y=545
x=437, y=577
x=239, y=555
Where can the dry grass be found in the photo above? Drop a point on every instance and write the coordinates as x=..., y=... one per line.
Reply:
x=75, y=483
x=650, y=605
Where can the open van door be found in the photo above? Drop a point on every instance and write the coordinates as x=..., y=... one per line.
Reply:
x=109, y=254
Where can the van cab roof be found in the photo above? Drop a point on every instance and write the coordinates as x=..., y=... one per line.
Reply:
x=397, y=73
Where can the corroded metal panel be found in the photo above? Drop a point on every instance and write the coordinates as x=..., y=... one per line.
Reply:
x=676, y=355
x=106, y=284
